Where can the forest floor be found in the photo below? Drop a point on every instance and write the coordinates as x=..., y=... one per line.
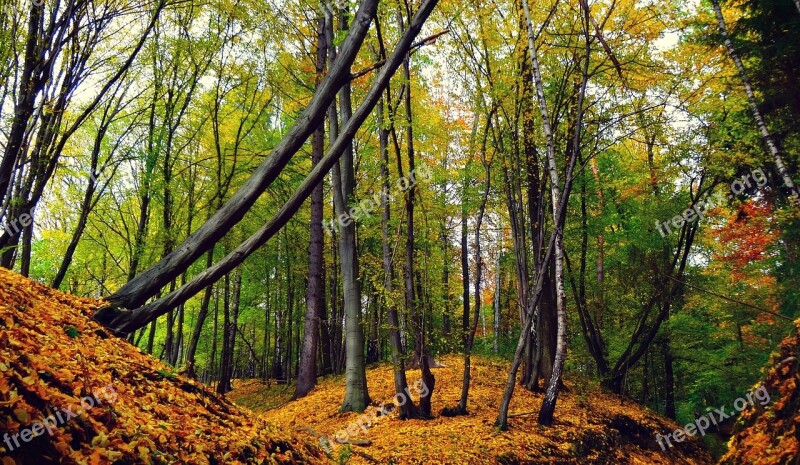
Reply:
x=591, y=427
x=71, y=393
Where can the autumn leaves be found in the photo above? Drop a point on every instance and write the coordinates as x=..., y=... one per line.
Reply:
x=59, y=417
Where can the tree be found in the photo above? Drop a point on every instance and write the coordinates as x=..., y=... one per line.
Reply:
x=126, y=321
x=148, y=283
x=751, y=99
x=307, y=375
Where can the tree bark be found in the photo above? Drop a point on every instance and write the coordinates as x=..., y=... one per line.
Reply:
x=356, y=392
x=751, y=99
x=307, y=375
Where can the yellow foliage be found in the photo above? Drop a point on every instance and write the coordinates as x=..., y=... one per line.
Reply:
x=53, y=354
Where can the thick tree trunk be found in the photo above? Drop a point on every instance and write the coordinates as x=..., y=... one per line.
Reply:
x=356, y=392
x=307, y=375
x=554, y=250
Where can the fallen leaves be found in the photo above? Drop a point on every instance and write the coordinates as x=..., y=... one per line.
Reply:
x=52, y=355
x=591, y=426
x=770, y=433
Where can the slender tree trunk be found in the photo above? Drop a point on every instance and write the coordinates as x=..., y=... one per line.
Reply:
x=469, y=332
x=415, y=309
x=408, y=409
x=223, y=384
x=554, y=249
x=669, y=379
x=551, y=396
x=202, y=314
x=497, y=290
x=751, y=99
x=151, y=337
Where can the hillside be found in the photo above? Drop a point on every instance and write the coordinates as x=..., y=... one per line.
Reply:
x=770, y=435
x=591, y=426
x=104, y=401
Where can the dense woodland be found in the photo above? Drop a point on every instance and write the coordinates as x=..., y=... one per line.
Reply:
x=602, y=190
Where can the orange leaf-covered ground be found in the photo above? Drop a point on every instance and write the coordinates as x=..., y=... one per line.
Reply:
x=770, y=435
x=52, y=355
x=590, y=427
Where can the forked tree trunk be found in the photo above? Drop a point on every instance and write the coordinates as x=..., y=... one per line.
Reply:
x=408, y=409
x=413, y=302
x=554, y=250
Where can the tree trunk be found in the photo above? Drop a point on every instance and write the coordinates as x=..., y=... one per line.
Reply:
x=201, y=318
x=497, y=289
x=751, y=99
x=469, y=332
x=669, y=380
x=408, y=409
x=356, y=393
x=307, y=375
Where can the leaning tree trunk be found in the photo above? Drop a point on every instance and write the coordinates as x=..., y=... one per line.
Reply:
x=147, y=284
x=751, y=99
x=123, y=322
